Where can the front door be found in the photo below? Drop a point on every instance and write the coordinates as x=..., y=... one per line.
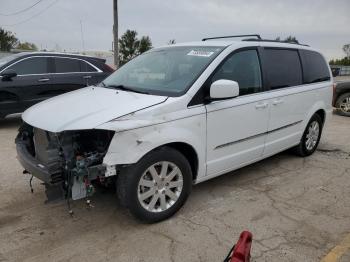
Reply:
x=237, y=128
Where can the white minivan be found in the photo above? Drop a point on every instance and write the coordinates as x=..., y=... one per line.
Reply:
x=176, y=116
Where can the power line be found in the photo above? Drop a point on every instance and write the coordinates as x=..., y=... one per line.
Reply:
x=23, y=10
x=37, y=14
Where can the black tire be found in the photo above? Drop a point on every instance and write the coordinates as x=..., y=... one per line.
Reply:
x=302, y=149
x=128, y=184
x=339, y=109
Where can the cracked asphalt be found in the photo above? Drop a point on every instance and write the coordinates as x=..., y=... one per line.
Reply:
x=298, y=209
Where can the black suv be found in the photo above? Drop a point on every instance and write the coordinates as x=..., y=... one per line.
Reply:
x=28, y=78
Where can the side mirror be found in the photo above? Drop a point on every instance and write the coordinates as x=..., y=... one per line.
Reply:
x=7, y=75
x=223, y=88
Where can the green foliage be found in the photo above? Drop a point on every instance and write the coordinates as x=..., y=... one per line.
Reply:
x=27, y=46
x=145, y=44
x=344, y=61
x=289, y=39
x=8, y=40
x=130, y=46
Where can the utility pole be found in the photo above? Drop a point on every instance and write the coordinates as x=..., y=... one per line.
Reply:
x=115, y=33
x=82, y=36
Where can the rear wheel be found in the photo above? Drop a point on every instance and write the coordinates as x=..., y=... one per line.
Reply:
x=311, y=137
x=343, y=104
x=157, y=186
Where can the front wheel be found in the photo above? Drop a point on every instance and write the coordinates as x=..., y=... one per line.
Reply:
x=157, y=186
x=311, y=137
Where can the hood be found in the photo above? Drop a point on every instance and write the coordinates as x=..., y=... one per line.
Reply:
x=86, y=108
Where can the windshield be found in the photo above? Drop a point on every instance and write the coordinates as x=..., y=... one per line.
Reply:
x=166, y=71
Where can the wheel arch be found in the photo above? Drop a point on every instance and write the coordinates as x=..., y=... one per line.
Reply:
x=189, y=153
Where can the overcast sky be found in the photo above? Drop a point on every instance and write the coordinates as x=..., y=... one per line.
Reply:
x=322, y=24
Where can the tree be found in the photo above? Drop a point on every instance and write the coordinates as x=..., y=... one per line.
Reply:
x=346, y=49
x=344, y=61
x=130, y=46
x=27, y=46
x=145, y=44
x=289, y=39
x=7, y=40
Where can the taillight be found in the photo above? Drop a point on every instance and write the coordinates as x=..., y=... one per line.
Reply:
x=334, y=88
x=108, y=68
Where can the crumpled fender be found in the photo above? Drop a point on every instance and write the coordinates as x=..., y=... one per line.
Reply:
x=129, y=146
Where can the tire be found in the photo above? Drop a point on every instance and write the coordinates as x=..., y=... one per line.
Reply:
x=144, y=189
x=343, y=105
x=306, y=147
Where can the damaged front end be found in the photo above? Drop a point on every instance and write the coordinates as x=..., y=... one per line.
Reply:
x=67, y=162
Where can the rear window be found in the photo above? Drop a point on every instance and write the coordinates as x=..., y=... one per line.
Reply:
x=315, y=67
x=71, y=65
x=283, y=68
x=67, y=65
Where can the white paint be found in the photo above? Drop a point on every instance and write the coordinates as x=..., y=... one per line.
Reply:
x=224, y=89
x=216, y=131
x=86, y=108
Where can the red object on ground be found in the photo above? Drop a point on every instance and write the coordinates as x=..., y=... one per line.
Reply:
x=241, y=251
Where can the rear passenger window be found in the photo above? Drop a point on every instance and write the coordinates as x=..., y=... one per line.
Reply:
x=283, y=68
x=244, y=68
x=315, y=67
x=85, y=67
x=67, y=65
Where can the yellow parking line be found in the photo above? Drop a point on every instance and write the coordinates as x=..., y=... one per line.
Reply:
x=338, y=251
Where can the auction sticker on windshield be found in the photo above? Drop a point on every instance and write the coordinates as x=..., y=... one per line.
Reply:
x=200, y=53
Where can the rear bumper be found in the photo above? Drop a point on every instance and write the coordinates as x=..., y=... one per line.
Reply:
x=34, y=167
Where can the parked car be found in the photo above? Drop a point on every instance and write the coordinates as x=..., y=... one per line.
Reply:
x=29, y=78
x=177, y=116
x=341, y=98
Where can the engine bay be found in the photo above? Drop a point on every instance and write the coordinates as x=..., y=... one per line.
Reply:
x=70, y=161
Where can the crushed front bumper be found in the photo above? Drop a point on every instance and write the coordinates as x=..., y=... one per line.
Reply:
x=49, y=174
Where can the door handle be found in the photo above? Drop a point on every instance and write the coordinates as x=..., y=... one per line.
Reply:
x=87, y=77
x=44, y=79
x=262, y=105
x=277, y=102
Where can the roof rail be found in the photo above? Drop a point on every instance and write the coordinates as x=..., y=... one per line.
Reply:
x=231, y=36
x=273, y=41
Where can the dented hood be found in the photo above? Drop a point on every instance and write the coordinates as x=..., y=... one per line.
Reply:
x=86, y=108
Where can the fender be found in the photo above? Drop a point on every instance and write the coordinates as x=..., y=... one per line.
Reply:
x=128, y=147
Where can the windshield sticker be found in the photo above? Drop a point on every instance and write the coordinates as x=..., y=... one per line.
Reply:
x=200, y=53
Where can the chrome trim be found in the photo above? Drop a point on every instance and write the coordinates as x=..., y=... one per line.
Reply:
x=25, y=58
x=257, y=135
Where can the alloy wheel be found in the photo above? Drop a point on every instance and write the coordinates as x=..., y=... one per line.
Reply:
x=345, y=105
x=160, y=186
x=312, y=135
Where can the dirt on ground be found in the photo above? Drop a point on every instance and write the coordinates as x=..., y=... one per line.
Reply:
x=298, y=209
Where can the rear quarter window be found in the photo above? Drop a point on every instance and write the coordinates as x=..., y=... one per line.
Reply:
x=315, y=67
x=282, y=67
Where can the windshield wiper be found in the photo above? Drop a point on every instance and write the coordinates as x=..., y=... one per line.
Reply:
x=125, y=88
